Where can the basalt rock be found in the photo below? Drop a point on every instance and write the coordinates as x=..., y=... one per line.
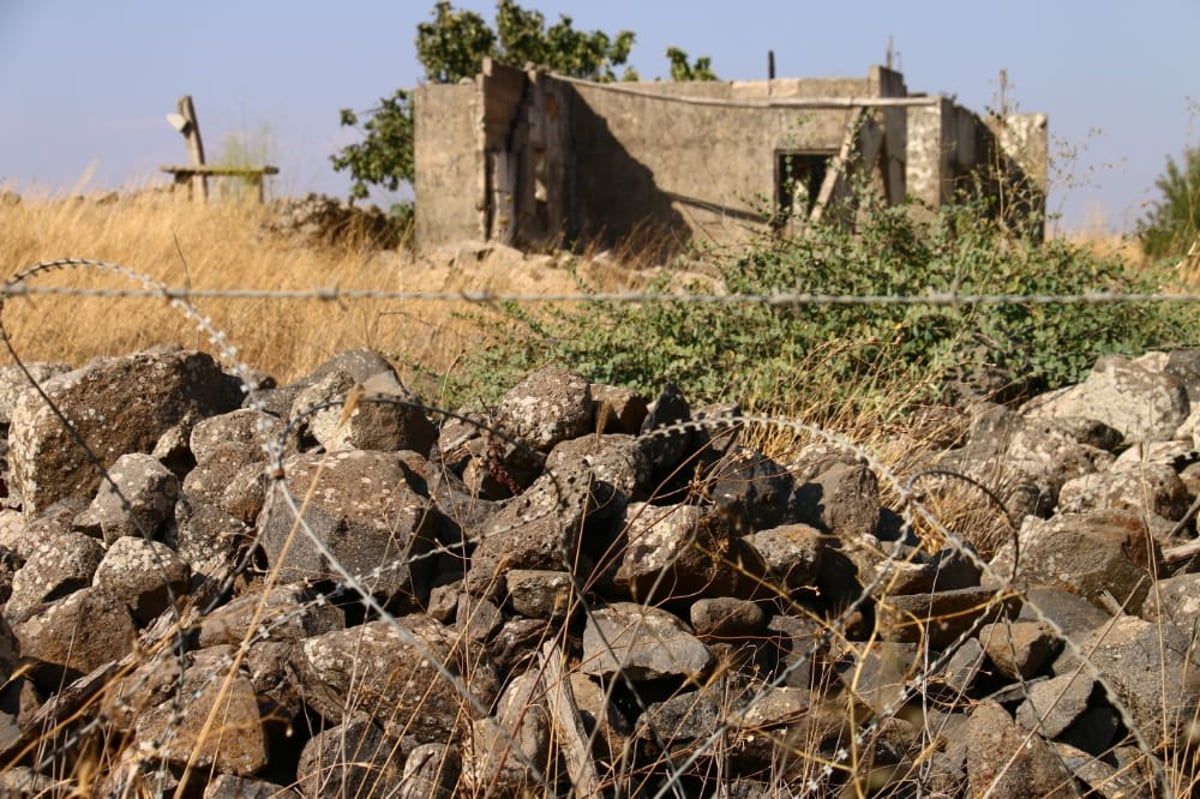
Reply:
x=118, y=406
x=730, y=621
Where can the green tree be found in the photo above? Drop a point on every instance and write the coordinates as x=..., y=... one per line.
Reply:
x=525, y=39
x=452, y=46
x=385, y=155
x=1173, y=222
x=682, y=70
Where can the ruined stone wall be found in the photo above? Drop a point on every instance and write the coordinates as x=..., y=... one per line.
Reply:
x=924, y=152
x=448, y=144
x=533, y=160
x=704, y=171
x=800, y=88
x=1023, y=138
x=1025, y=145
x=952, y=149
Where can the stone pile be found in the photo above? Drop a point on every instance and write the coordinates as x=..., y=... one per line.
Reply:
x=318, y=219
x=324, y=589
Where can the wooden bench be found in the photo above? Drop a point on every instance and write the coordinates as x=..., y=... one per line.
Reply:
x=253, y=175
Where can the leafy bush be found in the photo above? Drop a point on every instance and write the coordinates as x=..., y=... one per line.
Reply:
x=753, y=352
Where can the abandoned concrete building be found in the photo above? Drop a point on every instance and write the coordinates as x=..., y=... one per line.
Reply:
x=533, y=159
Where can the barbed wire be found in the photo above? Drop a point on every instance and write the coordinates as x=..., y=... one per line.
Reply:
x=337, y=294
x=154, y=289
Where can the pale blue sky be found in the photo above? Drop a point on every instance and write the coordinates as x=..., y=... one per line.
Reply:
x=84, y=85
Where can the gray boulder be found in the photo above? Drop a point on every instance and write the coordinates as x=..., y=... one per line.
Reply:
x=239, y=436
x=55, y=567
x=222, y=446
x=1134, y=396
x=139, y=498
x=282, y=613
x=878, y=673
x=1019, y=648
x=1053, y=705
x=1095, y=555
x=549, y=406
x=358, y=365
x=1150, y=665
x=682, y=552
x=218, y=725
x=1026, y=460
x=938, y=618
x=373, y=413
x=755, y=493
x=1072, y=613
x=478, y=617
x=72, y=636
x=352, y=759
x=1147, y=487
x=1128, y=776
x=643, y=642
x=364, y=509
x=229, y=786
x=1003, y=761
x=207, y=537
x=679, y=721
x=506, y=753
x=541, y=529
x=430, y=772
x=617, y=459
x=727, y=617
x=540, y=593
x=13, y=383
x=793, y=552
x=1175, y=601
x=842, y=499
x=771, y=707
x=246, y=492
x=145, y=575
x=117, y=405
x=384, y=664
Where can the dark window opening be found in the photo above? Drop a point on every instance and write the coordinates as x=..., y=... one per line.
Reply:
x=798, y=180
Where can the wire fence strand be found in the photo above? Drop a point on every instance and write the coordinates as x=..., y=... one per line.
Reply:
x=337, y=294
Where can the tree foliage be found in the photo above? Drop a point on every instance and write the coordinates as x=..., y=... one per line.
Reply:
x=525, y=39
x=385, y=155
x=683, y=70
x=452, y=45
x=1173, y=222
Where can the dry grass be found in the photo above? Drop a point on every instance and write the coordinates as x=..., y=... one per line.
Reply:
x=220, y=246
x=1103, y=244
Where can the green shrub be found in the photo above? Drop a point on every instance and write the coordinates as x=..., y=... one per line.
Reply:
x=758, y=352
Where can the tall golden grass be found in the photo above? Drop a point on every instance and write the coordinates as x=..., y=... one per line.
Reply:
x=222, y=246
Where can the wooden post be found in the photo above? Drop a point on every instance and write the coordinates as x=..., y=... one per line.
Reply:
x=186, y=123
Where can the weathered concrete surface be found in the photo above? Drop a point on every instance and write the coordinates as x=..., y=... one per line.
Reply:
x=527, y=158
